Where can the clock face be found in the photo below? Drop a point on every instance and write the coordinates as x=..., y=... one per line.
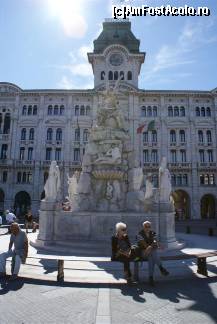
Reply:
x=116, y=59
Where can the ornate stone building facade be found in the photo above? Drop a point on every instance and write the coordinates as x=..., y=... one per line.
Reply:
x=37, y=126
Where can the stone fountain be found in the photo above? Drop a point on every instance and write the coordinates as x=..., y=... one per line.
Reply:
x=109, y=188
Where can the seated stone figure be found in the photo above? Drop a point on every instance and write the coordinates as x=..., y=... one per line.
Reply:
x=112, y=156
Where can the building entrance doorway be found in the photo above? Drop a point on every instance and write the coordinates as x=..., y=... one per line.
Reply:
x=207, y=207
x=2, y=200
x=22, y=203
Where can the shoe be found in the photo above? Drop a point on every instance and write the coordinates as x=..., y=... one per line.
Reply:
x=151, y=281
x=13, y=277
x=2, y=274
x=164, y=271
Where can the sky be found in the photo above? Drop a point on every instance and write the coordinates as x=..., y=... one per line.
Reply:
x=43, y=44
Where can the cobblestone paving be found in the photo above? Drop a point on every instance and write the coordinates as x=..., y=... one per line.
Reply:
x=172, y=302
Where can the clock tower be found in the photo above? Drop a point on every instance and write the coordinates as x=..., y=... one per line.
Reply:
x=116, y=54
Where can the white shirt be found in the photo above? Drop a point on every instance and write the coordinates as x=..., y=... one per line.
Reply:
x=0, y=220
x=10, y=217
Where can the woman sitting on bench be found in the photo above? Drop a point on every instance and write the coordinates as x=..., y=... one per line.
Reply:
x=121, y=249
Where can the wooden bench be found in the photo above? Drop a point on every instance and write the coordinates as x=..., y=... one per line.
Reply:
x=201, y=262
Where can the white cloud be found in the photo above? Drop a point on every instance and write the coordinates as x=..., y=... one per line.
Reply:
x=78, y=69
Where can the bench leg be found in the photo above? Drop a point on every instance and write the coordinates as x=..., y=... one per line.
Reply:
x=136, y=271
x=60, y=275
x=201, y=266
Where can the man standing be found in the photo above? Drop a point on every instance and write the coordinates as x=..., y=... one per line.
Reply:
x=18, y=254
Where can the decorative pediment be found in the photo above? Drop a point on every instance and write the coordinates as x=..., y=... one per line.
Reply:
x=122, y=87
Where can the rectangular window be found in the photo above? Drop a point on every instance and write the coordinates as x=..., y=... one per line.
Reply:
x=77, y=154
x=210, y=155
x=30, y=153
x=48, y=153
x=202, y=156
x=4, y=151
x=58, y=154
x=154, y=156
x=173, y=156
x=22, y=153
x=145, y=137
x=4, y=176
x=145, y=156
x=183, y=155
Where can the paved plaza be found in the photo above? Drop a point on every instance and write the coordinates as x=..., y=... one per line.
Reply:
x=97, y=294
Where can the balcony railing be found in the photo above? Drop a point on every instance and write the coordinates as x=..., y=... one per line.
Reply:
x=4, y=137
x=206, y=164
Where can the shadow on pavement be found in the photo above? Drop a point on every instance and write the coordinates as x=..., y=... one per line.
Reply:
x=7, y=285
x=49, y=265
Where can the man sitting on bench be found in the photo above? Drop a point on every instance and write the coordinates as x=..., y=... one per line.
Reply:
x=18, y=254
x=148, y=245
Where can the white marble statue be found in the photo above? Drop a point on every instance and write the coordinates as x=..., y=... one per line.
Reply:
x=165, y=187
x=112, y=156
x=135, y=178
x=149, y=187
x=52, y=185
x=72, y=185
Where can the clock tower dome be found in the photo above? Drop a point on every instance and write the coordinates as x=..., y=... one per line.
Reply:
x=116, y=54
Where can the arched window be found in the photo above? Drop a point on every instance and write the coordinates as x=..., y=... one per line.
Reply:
x=62, y=109
x=35, y=110
x=4, y=151
x=50, y=110
x=31, y=134
x=182, y=111
x=208, y=112
x=149, y=111
x=155, y=111
x=172, y=136
x=145, y=137
x=197, y=111
x=200, y=136
x=143, y=111
x=77, y=135
x=203, y=112
x=209, y=136
x=176, y=111
x=129, y=75
x=24, y=177
x=103, y=75
x=201, y=156
x=56, y=109
x=122, y=75
x=154, y=136
x=82, y=111
x=7, y=124
x=30, y=110
x=24, y=110
x=59, y=134
x=182, y=136
x=19, y=177
x=170, y=111
x=110, y=75
x=49, y=134
x=76, y=110
x=88, y=110
x=116, y=75
x=23, y=134
x=85, y=135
